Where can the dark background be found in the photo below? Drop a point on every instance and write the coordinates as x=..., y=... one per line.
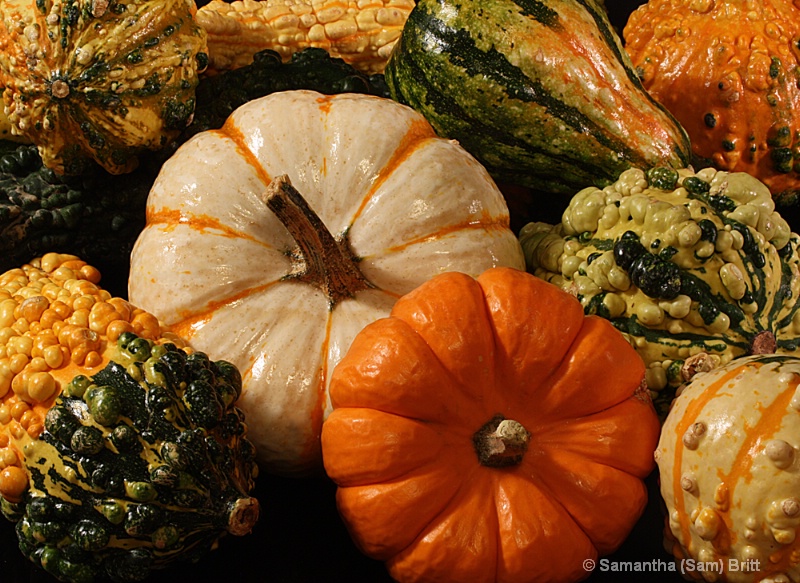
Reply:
x=300, y=537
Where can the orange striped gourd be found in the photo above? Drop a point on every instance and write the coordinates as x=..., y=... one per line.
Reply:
x=361, y=33
x=374, y=205
x=729, y=470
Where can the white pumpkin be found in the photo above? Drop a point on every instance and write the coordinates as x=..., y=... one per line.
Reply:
x=730, y=471
x=283, y=297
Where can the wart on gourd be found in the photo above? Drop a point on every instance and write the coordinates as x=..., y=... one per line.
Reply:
x=688, y=482
x=691, y=437
x=780, y=453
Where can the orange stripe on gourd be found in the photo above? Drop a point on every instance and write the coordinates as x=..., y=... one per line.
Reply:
x=683, y=434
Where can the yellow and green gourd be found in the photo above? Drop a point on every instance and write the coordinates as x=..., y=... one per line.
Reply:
x=99, y=80
x=695, y=268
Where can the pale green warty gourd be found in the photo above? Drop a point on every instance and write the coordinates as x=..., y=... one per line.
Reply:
x=695, y=268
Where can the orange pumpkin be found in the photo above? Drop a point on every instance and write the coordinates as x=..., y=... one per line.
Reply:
x=484, y=429
x=727, y=70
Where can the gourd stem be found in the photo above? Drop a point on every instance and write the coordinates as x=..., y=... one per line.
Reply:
x=324, y=261
x=501, y=442
x=764, y=343
x=59, y=89
x=243, y=516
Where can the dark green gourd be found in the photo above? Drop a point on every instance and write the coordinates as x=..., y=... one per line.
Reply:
x=141, y=464
x=95, y=215
x=541, y=92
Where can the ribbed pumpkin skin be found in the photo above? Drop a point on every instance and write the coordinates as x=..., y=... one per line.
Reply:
x=541, y=93
x=411, y=398
x=729, y=473
x=87, y=79
x=217, y=265
x=727, y=70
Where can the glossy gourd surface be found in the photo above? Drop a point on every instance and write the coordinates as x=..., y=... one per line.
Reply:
x=728, y=469
x=477, y=435
x=397, y=205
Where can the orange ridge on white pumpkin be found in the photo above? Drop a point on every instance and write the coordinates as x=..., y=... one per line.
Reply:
x=378, y=189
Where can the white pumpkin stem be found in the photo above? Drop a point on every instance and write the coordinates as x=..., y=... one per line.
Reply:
x=325, y=262
x=501, y=442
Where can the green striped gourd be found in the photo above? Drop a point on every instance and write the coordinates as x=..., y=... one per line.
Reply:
x=541, y=92
x=696, y=269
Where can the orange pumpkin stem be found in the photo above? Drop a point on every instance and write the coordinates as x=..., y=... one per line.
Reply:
x=321, y=260
x=501, y=442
